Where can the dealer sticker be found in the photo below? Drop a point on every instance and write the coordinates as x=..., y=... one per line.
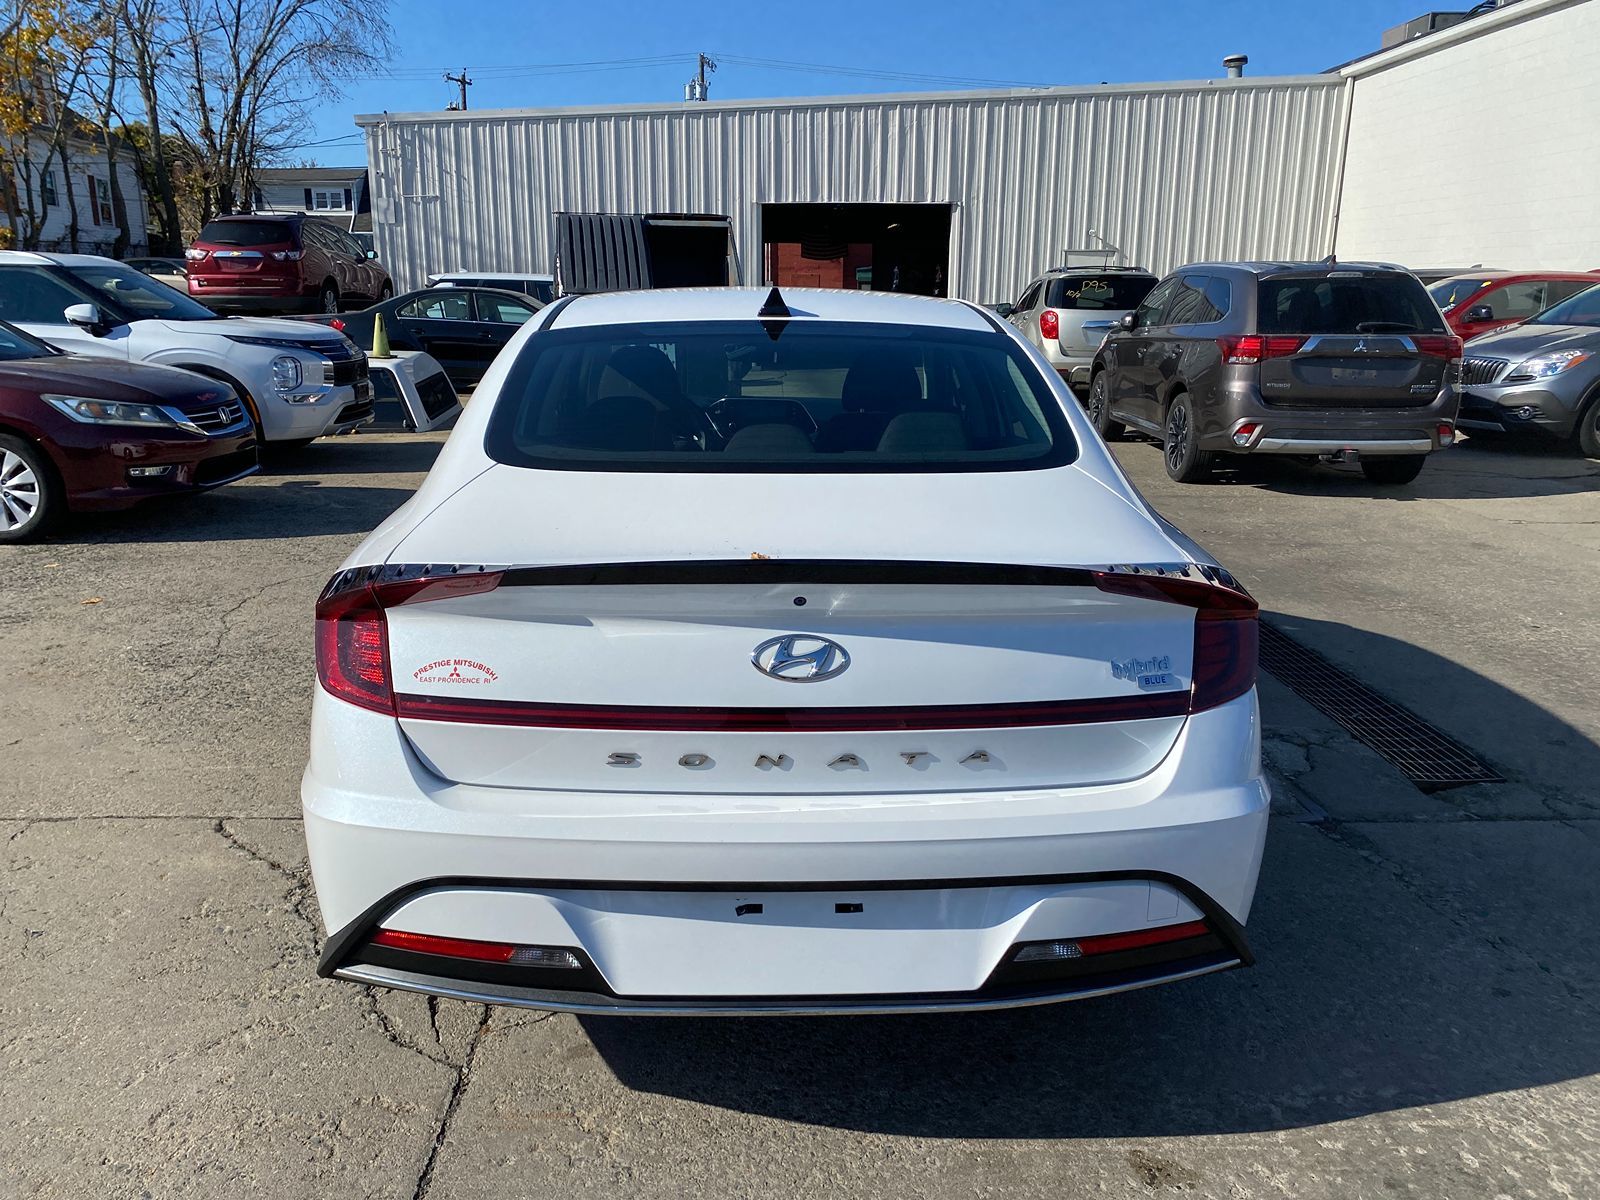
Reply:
x=461, y=672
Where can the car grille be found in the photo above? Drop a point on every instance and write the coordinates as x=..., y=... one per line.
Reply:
x=1482, y=370
x=343, y=371
x=222, y=416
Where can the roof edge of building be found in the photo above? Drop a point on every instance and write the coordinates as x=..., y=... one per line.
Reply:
x=1247, y=83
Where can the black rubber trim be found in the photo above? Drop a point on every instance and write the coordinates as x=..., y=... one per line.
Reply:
x=555, y=312
x=800, y=570
x=341, y=946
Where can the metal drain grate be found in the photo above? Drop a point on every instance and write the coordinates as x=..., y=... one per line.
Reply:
x=1426, y=756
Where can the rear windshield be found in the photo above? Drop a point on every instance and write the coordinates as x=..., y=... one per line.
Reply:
x=1452, y=292
x=1346, y=304
x=1099, y=292
x=1582, y=309
x=728, y=396
x=247, y=233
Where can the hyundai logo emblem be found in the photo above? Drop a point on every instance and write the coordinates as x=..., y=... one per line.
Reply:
x=800, y=658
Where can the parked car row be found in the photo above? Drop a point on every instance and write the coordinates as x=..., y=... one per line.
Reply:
x=117, y=388
x=1344, y=361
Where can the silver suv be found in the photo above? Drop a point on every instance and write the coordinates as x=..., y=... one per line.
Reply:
x=1068, y=311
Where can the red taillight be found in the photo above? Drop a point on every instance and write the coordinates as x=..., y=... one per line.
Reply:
x=337, y=324
x=1049, y=324
x=1254, y=348
x=353, y=634
x=1438, y=345
x=1226, y=631
x=427, y=943
x=1110, y=943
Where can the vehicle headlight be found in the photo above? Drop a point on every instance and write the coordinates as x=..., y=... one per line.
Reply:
x=90, y=411
x=285, y=372
x=1543, y=366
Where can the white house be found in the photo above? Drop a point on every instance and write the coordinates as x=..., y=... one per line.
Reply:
x=90, y=176
x=337, y=193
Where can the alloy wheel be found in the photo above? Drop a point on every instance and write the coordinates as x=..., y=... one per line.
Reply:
x=1178, y=434
x=19, y=491
x=1097, y=400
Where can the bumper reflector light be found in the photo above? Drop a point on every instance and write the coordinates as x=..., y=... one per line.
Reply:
x=1243, y=434
x=1110, y=943
x=502, y=952
x=1447, y=434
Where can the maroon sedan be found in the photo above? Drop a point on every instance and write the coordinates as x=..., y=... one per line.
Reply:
x=88, y=433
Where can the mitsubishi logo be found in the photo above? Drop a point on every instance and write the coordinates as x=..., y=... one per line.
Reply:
x=800, y=658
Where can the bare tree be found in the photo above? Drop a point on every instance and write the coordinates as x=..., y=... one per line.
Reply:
x=256, y=67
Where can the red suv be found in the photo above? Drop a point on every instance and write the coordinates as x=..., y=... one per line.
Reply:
x=275, y=264
x=1474, y=304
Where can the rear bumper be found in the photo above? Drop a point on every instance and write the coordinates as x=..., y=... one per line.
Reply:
x=1280, y=429
x=221, y=299
x=951, y=882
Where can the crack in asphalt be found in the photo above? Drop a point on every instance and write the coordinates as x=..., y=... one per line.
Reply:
x=463, y=1077
x=223, y=619
x=393, y=1033
x=297, y=897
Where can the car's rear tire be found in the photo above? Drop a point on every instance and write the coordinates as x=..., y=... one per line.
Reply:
x=31, y=496
x=1587, y=430
x=386, y=292
x=1393, y=469
x=328, y=299
x=1098, y=406
x=1180, y=450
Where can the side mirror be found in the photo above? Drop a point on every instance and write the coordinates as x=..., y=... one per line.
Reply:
x=373, y=254
x=1003, y=310
x=1128, y=321
x=1480, y=312
x=86, y=317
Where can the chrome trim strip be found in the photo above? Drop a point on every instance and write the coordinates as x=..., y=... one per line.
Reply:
x=245, y=474
x=1279, y=445
x=712, y=1007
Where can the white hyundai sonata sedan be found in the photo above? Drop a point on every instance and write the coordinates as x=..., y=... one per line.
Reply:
x=758, y=653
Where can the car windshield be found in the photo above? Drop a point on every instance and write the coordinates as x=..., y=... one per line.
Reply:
x=133, y=295
x=781, y=396
x=16, y=345
x=1346, y=304
x=247, y=233
x=1099, y=292
x=1582, y=309
x=1452, y=292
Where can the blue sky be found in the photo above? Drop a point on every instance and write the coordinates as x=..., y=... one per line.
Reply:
x=505, y=45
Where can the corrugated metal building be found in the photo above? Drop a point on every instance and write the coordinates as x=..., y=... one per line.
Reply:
x=1173, y=172
x=970, y=193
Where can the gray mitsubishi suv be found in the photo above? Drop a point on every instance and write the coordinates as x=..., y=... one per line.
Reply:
x=1334, y=361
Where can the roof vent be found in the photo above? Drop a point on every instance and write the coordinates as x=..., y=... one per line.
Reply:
x=1234, y=65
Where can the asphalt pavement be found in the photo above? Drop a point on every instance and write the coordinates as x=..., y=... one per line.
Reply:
x=1421, y=1021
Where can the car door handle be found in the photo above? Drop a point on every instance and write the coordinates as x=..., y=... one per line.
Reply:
x=1100, y=324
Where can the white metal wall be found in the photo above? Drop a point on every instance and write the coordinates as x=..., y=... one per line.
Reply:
x=1480, y=146
x=1171, y=173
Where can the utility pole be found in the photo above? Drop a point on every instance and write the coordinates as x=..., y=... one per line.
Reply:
x=697, y=88
x=464, y=82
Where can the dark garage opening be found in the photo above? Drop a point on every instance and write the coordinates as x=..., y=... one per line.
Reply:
x=881, y=247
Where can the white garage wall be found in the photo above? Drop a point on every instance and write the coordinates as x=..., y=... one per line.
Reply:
x=1480, y=144
x=1170, y=172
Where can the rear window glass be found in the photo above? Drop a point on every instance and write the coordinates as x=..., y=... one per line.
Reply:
x=1099, y=292
x=1346, y=304
x=824, y=397
x=247, y=233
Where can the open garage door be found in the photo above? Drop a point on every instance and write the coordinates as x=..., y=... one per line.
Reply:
x=882, y=247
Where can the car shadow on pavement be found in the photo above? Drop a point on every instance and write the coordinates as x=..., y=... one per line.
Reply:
x=257, y=508
x=385, y=452
x=1418, y=959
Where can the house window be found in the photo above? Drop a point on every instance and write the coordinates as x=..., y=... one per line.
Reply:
x=47, y=189
x=324, y=200
x=100, y=201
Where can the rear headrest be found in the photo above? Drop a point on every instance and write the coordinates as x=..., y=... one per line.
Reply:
x=924, y=433
x=641, y=371
x=880, y=382
x=769, y=441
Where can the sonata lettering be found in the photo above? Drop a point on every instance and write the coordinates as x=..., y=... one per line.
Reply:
x=848, y=761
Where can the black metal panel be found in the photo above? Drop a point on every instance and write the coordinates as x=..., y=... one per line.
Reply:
x=601, y=252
